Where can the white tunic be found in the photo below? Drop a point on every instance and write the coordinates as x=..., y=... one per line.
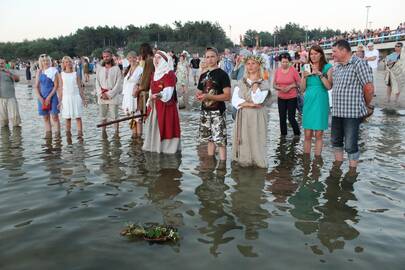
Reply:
x=72, y=104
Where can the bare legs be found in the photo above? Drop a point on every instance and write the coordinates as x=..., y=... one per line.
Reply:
x=48, y=125
x=221, y=150
x=318, y=141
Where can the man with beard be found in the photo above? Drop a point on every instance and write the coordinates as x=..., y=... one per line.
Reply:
x=108, y=88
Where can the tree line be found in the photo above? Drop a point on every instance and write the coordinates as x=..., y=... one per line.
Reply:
x=90, y=41
x=190, y=36
x=290, y=33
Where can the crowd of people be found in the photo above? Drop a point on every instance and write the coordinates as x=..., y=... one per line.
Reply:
x=374, y=35
x=149, y=82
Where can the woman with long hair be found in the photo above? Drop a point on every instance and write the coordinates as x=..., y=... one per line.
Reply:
x=132, y=76
x=142, y=93
x=316, y=84
x=72, y=97
x=46, y=87
x=250, y=129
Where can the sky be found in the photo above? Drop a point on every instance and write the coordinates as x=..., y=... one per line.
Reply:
x=28, y=19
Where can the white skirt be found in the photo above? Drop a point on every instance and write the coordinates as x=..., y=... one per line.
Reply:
x=129, y=103
x=72, y=106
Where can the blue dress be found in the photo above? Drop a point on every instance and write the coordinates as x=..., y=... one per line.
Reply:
x=46, y=84
x=316, y=103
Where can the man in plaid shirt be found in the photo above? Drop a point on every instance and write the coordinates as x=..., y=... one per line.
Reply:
x=353, y=91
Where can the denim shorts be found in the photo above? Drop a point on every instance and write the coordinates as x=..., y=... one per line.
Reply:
x=345, y=135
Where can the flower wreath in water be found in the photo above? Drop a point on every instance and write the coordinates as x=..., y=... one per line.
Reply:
x=152, y=233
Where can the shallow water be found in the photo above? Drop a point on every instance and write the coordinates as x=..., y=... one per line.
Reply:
x=63, y=205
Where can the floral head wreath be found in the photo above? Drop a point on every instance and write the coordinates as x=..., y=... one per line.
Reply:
x=256, y=58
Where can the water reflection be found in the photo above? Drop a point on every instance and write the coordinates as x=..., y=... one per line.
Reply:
x=11, y=152
x=323, y=208
x=110, y=159
x=282, y=183
x=306, y=199
x=212, y=195
x=74, y=169
x=163, y=185
x=337, y=216
x=51, y=157
x=247, y=201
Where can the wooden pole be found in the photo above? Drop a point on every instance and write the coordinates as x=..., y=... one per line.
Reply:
x=120, y=120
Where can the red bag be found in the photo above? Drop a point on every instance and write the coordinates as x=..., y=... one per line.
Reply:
x=46, y=106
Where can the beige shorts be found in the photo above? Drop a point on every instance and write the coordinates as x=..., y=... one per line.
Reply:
x=9, y=112
x=110, y=110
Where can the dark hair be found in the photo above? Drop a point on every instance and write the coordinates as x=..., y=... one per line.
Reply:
x=145, y=50
x=212, y=49
x=342, y=44
x=400, y=44
x=284, y=56
x=322, y=61
x=108, y=50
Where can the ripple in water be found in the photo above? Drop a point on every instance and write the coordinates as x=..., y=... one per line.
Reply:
x=67, y=201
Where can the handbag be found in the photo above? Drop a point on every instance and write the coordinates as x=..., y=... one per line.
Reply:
x=46, y=106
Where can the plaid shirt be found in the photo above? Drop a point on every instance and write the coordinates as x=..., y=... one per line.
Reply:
x=348, y=82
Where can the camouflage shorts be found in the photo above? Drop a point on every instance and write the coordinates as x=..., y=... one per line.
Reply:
x=213, y=127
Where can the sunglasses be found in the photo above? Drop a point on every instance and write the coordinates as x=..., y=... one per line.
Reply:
x=397, y=46
x=43, y=55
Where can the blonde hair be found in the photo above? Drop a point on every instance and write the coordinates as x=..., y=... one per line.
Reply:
x=131, y=53
x=66, y=58
x=261, y=68
x=41, y=59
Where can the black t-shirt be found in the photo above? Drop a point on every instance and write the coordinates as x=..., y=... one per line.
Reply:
x=214, y=82
x=195, y=63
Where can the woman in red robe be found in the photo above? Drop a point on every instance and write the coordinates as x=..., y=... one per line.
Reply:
x=162, y=127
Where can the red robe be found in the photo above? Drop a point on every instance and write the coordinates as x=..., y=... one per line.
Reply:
x=167, y=113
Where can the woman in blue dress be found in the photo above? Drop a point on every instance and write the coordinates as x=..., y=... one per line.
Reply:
x=46, y=87
x=316, y=82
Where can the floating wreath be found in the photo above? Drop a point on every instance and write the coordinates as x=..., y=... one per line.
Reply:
x=153, y=233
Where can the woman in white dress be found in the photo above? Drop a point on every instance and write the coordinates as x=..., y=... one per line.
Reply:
x=182, y=73
x=72, y=97
x=132, y=76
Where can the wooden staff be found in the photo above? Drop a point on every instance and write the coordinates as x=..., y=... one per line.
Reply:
x=120, y=120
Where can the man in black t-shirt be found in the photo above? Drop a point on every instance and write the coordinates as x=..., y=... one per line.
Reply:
x=195, y=65
x=214, y=88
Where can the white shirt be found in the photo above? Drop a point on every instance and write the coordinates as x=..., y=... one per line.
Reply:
x=373, y=64
x=258, y=97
